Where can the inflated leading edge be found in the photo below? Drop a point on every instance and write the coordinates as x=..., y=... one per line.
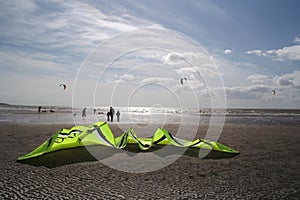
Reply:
x=100, y=134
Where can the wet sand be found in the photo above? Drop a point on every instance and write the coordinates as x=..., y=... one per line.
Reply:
x=267, y=168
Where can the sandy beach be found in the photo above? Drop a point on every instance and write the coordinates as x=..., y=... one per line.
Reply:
x=267, y=168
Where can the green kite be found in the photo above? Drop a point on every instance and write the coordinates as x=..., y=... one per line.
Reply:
x=100, y=134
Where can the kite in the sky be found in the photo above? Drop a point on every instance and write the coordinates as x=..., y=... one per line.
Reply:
x=63, y=86
x=181, y=80
x=274, y=92
x=100, y=134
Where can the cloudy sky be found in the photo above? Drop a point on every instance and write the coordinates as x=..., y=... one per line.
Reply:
x=246, y=49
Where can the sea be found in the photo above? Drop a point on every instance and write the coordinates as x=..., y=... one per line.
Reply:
x=147, y=115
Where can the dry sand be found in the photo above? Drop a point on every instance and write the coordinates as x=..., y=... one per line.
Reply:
x=267, y=168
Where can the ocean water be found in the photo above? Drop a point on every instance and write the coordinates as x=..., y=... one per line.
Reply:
x=146, y=115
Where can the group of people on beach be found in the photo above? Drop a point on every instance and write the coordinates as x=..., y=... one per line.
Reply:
x=44, y=110
x=110, y=114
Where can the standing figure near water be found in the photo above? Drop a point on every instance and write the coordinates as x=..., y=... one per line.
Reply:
x=112, y=112
x=118, y=115
x=108, y=115
x=84, y=112
x=39, y=108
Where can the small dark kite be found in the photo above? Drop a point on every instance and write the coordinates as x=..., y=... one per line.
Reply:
x=181, y=80
x=63, y=85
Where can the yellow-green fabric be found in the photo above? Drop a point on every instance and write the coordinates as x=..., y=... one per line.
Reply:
x=100, y=134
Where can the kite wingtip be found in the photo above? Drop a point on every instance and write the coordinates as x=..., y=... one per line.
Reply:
x=22, y=158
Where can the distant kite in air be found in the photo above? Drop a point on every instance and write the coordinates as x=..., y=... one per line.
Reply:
x=63, y=85
x=181, y=80
x=274, y=92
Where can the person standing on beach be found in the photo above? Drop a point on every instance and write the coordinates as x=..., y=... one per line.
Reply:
x=112, y=112
x=108, y=115
x=84, y=112
x=118, y=115
x=39, y=108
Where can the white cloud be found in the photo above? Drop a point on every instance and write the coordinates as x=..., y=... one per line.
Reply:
x=71, y=27
x=258, y=78
x=297, y=40
x=187, y=70
x=55, y=36
x=124, y=78
x=228, y=51
x=285, y=53
x=128, y=77
x=256, y=52
x=201, y=63
x=172, y=58
x=289, y=80
x=190, y=87
x=289, y=53
x=248, y=92
x=157, y=80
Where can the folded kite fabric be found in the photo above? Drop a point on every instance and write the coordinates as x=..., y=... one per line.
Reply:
x=100, y=134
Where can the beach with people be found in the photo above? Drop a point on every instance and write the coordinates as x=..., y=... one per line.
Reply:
x=267, y=166
x=150, y=99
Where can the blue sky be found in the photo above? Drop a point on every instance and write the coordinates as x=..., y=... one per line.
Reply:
x=254, y=44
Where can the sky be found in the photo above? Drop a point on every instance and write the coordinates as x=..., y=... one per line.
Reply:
x=134, y=53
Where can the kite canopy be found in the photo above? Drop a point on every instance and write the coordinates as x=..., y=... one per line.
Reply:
x=100, y=134
x=63, y=85
x=181, y=80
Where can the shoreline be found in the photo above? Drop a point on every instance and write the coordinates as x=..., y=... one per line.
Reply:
x=140, y=115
